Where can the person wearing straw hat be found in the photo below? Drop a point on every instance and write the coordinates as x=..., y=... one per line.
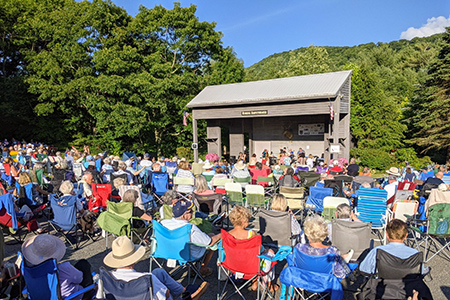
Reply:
x=123, y=257
x=40, y=248
x=240, y=171
x=392, y=185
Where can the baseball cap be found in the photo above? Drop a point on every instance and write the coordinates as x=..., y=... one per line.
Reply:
x=181, y=207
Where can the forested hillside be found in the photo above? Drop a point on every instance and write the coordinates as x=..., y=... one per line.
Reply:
x=400, y=96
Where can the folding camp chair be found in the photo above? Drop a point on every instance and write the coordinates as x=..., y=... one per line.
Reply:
x=26, y=195
x=371, y=208
x=308, y=178
x=435, y=235
x=65, y=219
x=315, y=199
x=234, y=194
x=242, y=259
x=254, y=195
x=329, y=206
x=160, y=185
x=294, y=197
x=42, y=281
x=9, y=222
x=118, y=220
x=213, y=202
x=101, y=193
x=275, y=228
x=348, y=235
x=310, y=273
x=174, y=246
x=136, y=289
x=177, y=181
x=396, y=278
x=58, y=176
x=321, y=170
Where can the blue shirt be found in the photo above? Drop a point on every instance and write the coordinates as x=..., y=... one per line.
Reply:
x=399, y=250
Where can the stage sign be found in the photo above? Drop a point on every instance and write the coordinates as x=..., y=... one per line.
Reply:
x=311, y=129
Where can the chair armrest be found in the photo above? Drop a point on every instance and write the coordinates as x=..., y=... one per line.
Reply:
x=80, y=292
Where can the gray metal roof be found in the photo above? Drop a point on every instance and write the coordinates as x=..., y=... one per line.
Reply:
x=325, y=85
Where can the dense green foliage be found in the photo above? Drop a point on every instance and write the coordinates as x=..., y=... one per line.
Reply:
x=88, y=73
x=399, y=91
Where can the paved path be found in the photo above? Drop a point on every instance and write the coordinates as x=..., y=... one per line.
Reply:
x=95, y=251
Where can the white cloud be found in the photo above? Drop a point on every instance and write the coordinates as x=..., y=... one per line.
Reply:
x=433, y=26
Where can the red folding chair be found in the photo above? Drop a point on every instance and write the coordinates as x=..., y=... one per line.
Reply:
x=404, y=191
x=241, y=258
x=101, y=193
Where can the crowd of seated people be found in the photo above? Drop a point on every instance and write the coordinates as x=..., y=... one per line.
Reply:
x=176, y=209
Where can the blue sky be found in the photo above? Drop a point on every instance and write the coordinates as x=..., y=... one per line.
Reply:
x=258, y=28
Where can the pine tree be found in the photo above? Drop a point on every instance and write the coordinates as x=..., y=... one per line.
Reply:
x=433, y=104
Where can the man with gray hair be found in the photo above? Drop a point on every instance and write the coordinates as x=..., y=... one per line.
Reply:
x=343, y=212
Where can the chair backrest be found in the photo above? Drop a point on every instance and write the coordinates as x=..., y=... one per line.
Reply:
x=351, y=235
x=121, y=209
x=330, y=204
x=371, y=206
x=254, y=195
x=139, y=202
x=26, y=191
x=275, y=228
x=241, y=255
x=64, y=211
x=264, y=180
x=41, y=280
x=439, y=219
x=136, y=289
x=197, y=168
x=172, y=244
x=316, y=196
x=309, y=178
x=437, y=197
x=404, y=207
x=234, y=193
x=160, y=183
x=208, y=177
x=336, y=185
x=391, y=267
x=8, y=213
x=213, y=201
x=292, y=193
x=242, y=180
x=222, y=181
x=114, y=176
x=320, y=169
x=315, y=263
x=183, y=180
x=101, y=194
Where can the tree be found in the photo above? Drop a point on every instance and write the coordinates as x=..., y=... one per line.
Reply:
x=433, y=104
x=312, y=61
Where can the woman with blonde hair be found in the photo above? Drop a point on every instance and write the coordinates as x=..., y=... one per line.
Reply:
x=279, y=203
x=201, y=186
x=37, y=192
x=184, y=172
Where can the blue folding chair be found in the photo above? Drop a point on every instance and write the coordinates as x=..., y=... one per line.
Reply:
x=160, y=184
x=371, y=208
x=311, y=273
x=28, y=189
x=42, y=281
x=65, y=219
x=137, y=289
x=175, y=245
x=315, y=199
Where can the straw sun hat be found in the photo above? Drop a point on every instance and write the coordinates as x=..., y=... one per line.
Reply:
x=40, y=248
x=124, y=253
x=240, y=165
